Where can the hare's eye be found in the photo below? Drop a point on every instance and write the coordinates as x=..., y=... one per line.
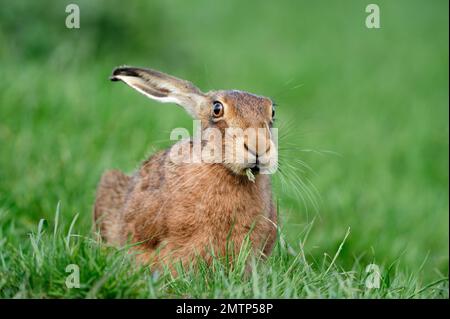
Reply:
x=273, y=111
x=217, y=109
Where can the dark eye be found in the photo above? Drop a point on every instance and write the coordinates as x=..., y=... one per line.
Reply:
x=273, y=111
x=217, y=109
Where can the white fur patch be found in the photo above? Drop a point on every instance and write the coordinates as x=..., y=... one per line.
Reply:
x=134, y=82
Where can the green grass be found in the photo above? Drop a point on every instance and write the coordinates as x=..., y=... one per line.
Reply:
x=40, y=272
x=363, y=119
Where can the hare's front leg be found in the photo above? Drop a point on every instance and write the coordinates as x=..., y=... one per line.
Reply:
x=271, y=229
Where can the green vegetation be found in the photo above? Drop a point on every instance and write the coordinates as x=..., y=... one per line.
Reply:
x=362, y=116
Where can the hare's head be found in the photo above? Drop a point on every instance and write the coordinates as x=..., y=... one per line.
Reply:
x=242, y=120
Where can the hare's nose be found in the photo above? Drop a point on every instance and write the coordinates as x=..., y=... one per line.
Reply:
x=257, y=142
x=258, y=149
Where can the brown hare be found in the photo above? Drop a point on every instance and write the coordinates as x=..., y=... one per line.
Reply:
x=178, y=210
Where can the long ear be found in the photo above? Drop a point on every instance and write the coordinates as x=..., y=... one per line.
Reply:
x=161, y=87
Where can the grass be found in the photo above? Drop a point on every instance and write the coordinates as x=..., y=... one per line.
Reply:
x=38, y=269
x=363, y=120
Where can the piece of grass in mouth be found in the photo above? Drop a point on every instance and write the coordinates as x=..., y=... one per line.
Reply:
x=250, y=175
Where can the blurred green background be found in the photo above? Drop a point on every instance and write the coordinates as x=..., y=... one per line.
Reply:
x=365, y=109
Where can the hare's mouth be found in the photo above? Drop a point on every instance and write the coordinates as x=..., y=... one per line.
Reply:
x=255, y=169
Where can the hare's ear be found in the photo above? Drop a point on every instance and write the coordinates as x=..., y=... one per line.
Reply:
x=162, y=87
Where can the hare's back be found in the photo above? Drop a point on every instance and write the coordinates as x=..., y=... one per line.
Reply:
x=110, y=199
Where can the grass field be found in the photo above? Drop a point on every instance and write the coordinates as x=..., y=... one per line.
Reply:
x=362, y=116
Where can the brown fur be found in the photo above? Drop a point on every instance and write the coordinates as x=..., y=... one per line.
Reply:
x=176, y=211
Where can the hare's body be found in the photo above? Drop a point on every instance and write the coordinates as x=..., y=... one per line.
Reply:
x=187, y=210
x=176, y=210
